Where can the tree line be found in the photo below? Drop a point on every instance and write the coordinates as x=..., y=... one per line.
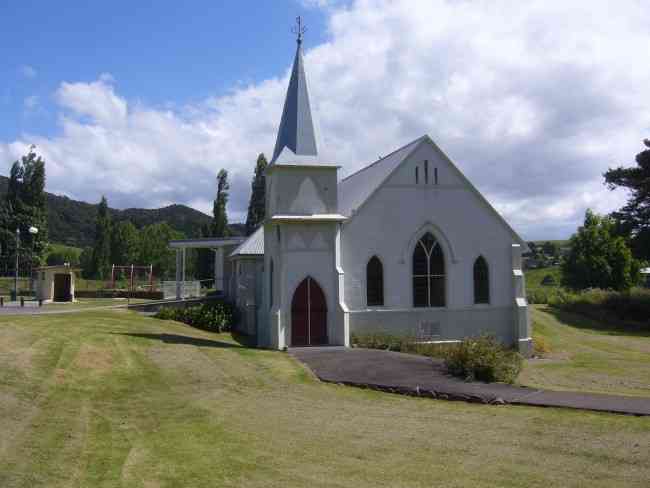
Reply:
x=123, y=244
x=608, y=251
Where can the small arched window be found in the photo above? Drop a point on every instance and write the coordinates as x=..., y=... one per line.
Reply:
x=428, y=273
x=481, y=281
x=374, y=282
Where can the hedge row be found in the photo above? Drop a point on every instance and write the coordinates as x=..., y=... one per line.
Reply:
x=632, y=305
x=216, y=316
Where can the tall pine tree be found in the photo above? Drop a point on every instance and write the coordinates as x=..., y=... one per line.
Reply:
x=256, y=206
x=220, y=222
x=634, y=218
x=101, y=257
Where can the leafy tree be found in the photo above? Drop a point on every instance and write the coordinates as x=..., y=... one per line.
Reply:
x=125, y=243
x=220, y=223
x=598, y=258
x=24, y=207
x=101, y=265
x=550, y=249
x=33, y=199
x=154, y=248
x=634, y=218
x=257, y=204
x=86, y=262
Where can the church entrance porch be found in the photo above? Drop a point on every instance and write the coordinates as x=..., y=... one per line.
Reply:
x=308, y=315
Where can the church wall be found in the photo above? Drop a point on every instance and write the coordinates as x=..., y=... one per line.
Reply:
x=248, y=273
x=443, y=324
x=390, y=223
x=302, y=191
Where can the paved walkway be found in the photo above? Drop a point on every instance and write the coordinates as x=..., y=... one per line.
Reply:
x=31, y=306
x=421, y=376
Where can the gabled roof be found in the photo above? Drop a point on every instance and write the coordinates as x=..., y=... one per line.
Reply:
x=205, y=242
x=356, y=189
x=253, y=246
x=296, y=141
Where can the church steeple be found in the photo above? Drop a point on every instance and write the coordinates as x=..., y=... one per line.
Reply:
x=296, y=142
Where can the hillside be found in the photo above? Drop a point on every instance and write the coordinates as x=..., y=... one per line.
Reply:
x=72, y=222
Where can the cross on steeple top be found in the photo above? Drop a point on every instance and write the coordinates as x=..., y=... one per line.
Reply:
x=299, y=29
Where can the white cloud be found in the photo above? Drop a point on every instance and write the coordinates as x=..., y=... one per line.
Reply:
x=533, y=100
x=28, y=71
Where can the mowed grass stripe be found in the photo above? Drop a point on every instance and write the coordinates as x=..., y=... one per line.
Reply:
x=118, y=399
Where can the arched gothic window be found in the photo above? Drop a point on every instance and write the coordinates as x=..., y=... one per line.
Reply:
x=428, y=273
x=374, y=282
x=481, y=281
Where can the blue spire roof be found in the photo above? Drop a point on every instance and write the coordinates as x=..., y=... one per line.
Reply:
x=296, y=142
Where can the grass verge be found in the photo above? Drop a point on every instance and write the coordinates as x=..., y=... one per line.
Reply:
x=112, y=398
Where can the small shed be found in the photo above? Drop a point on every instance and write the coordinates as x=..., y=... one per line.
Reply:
x=55, y=283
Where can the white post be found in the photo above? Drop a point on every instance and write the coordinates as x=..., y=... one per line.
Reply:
x=184, y=265
x=179, y=264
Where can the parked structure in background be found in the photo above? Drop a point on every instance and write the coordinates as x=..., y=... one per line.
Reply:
x=55, y=283
x=645, y=277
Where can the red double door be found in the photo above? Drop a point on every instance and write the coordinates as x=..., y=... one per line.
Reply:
x=308, y=315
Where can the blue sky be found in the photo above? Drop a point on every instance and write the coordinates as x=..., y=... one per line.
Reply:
x=145, y=102
x=161, y=52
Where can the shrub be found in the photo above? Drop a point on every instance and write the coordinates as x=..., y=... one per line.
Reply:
x=377, y=341
x=541, y=347
x=484, y=359
x=213, y=316
x=632, y=305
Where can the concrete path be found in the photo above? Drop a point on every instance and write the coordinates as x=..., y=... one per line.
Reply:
x=49, y=310
x=421, y=376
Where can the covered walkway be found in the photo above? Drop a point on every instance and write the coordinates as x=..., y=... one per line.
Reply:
x=221, y=247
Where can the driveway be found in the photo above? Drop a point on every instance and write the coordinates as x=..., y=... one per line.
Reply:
x=422, y=376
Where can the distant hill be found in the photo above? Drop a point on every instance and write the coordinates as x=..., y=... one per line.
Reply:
x=72, y=222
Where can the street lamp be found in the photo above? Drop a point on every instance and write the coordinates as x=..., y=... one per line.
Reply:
x=33, y=231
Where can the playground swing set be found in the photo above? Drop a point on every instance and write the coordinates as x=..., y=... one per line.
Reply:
x=132, y=274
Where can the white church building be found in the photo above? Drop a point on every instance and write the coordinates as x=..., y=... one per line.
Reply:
x=405, y=246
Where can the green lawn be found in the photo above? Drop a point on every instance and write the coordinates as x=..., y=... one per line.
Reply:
x=534, y=277
x=103, y=399
x=587, y=355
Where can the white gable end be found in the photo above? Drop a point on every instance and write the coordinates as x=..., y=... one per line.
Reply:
x=422, y=165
